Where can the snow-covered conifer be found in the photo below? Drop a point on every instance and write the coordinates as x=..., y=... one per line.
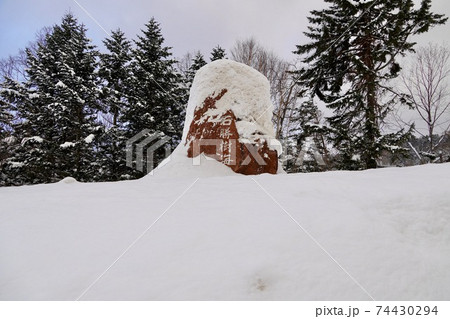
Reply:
x=115, y=74
x=57, y=106
x=353, y=53
x=156, y=102
x=217, y=53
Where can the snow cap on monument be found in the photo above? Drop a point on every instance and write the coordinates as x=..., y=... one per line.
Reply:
x=229, y=118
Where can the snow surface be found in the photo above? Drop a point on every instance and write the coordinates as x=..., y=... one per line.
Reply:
x=60, y=84
x=36, y=139
x=16, y=164
x=248, y=96
x=67, y=144
x=33, y=96
x=89, y=138
x=179, y=165
x=231, y=237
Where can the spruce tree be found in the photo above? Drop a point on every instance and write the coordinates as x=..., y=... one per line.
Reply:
x=157, y=97
x=5, y=119
x=197, y=62
x=305, y=139
x=155, y=81
x=115, y=73
x=5, y=133
x=11, y=93
x=218, y=53
x=58, y=106
x=353, y=53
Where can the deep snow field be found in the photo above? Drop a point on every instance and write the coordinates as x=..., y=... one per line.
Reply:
x=378, y=234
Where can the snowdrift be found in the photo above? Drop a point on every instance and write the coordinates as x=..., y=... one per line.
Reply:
x=381, y=234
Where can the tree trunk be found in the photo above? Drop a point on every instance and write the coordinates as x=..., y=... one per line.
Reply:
x=371, y=126
x=371, y=129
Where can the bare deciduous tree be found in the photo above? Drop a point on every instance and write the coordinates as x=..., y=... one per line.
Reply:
x=426, y=82
x=14, y=66
x=185, y=62
x=291, y=116
x=283, y=91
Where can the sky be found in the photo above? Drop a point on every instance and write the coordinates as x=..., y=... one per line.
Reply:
x=187, y=25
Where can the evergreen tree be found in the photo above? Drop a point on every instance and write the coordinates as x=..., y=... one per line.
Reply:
x=353, y=55
x=115, y=73
x=58, y=106
x=197, y=62
x=157, y=97
x=5, y=133
x=217, y=54
x=306, y=148
x=5, y=119
x=11, y=91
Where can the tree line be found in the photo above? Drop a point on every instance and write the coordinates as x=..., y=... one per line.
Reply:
x=344, y=97
x=67, y=109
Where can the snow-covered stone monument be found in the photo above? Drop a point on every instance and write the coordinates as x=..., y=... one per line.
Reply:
x=229, y=118
x=228, y=127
